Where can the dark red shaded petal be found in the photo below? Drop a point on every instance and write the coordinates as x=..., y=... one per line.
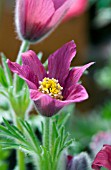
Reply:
x=77, y=94
x=73, y=78
x=58, y=3
x=103, y=158
x=30, y=59
x=24, y=72
x=59, y=62
x=48, y=106
x=69, y=162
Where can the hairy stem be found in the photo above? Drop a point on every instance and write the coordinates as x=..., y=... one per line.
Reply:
x=20, y=155
x=24, y=47
x=47, y=128
x=46, y=132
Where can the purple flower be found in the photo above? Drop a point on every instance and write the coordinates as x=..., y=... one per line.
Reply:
x=103, y=158
x=78, y=162
x=58, y=87
x=35, y=19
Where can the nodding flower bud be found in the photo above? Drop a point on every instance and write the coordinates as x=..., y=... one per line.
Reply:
x=36, y=19
x=78, y=162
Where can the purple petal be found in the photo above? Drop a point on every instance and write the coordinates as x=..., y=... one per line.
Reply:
x=62, y=6
x=103, y=158
x=32, y=16
x=30, y=59
x=69, y=161
x=49, y=106
x=58, y=3
x=73, y=78
x=77, y=94
x=59, y=62
x=46, y=105
x=24, y=72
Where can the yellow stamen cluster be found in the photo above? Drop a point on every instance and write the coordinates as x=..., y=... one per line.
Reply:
x=51, y=87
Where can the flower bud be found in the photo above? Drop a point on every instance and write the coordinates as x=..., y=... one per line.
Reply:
x=79, y=162
x=36, y=19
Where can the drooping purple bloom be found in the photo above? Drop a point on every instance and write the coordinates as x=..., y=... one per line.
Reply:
x=78, y=162
x=35, y=19
x=103, y=158
x=58, y=87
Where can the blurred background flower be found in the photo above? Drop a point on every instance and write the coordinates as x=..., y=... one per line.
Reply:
x=98, y=140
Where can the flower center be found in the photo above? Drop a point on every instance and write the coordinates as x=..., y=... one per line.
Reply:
x=51, y=87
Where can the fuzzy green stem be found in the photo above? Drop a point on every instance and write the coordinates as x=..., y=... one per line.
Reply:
x=46, y=133
x=21, y=160
x=20, y=155
x=24, y=47
x=47, y=128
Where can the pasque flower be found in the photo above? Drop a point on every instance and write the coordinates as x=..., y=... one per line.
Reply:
x=35, y=19
x=78, y=162
x=103, y=158
x=58, y=87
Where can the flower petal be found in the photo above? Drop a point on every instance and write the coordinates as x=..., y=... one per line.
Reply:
x=103, y=158
x=32, y=16
x=48, y=106
x=45, y=104
x=78, y=162
x=61, y=10
x=58, y=3
x=73, y=78
x=59, y=62
x=30, y=59
x=24, y=72
x=77, y=94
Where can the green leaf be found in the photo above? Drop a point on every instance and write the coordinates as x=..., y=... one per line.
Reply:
x=63, y=117
x=6, y=70
x=3, y=92
x=30, y=135
x=40, y=55
x=3, y=80
x=19, y=140
x=4, y=105
x=45, y=64
x=20, y=83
